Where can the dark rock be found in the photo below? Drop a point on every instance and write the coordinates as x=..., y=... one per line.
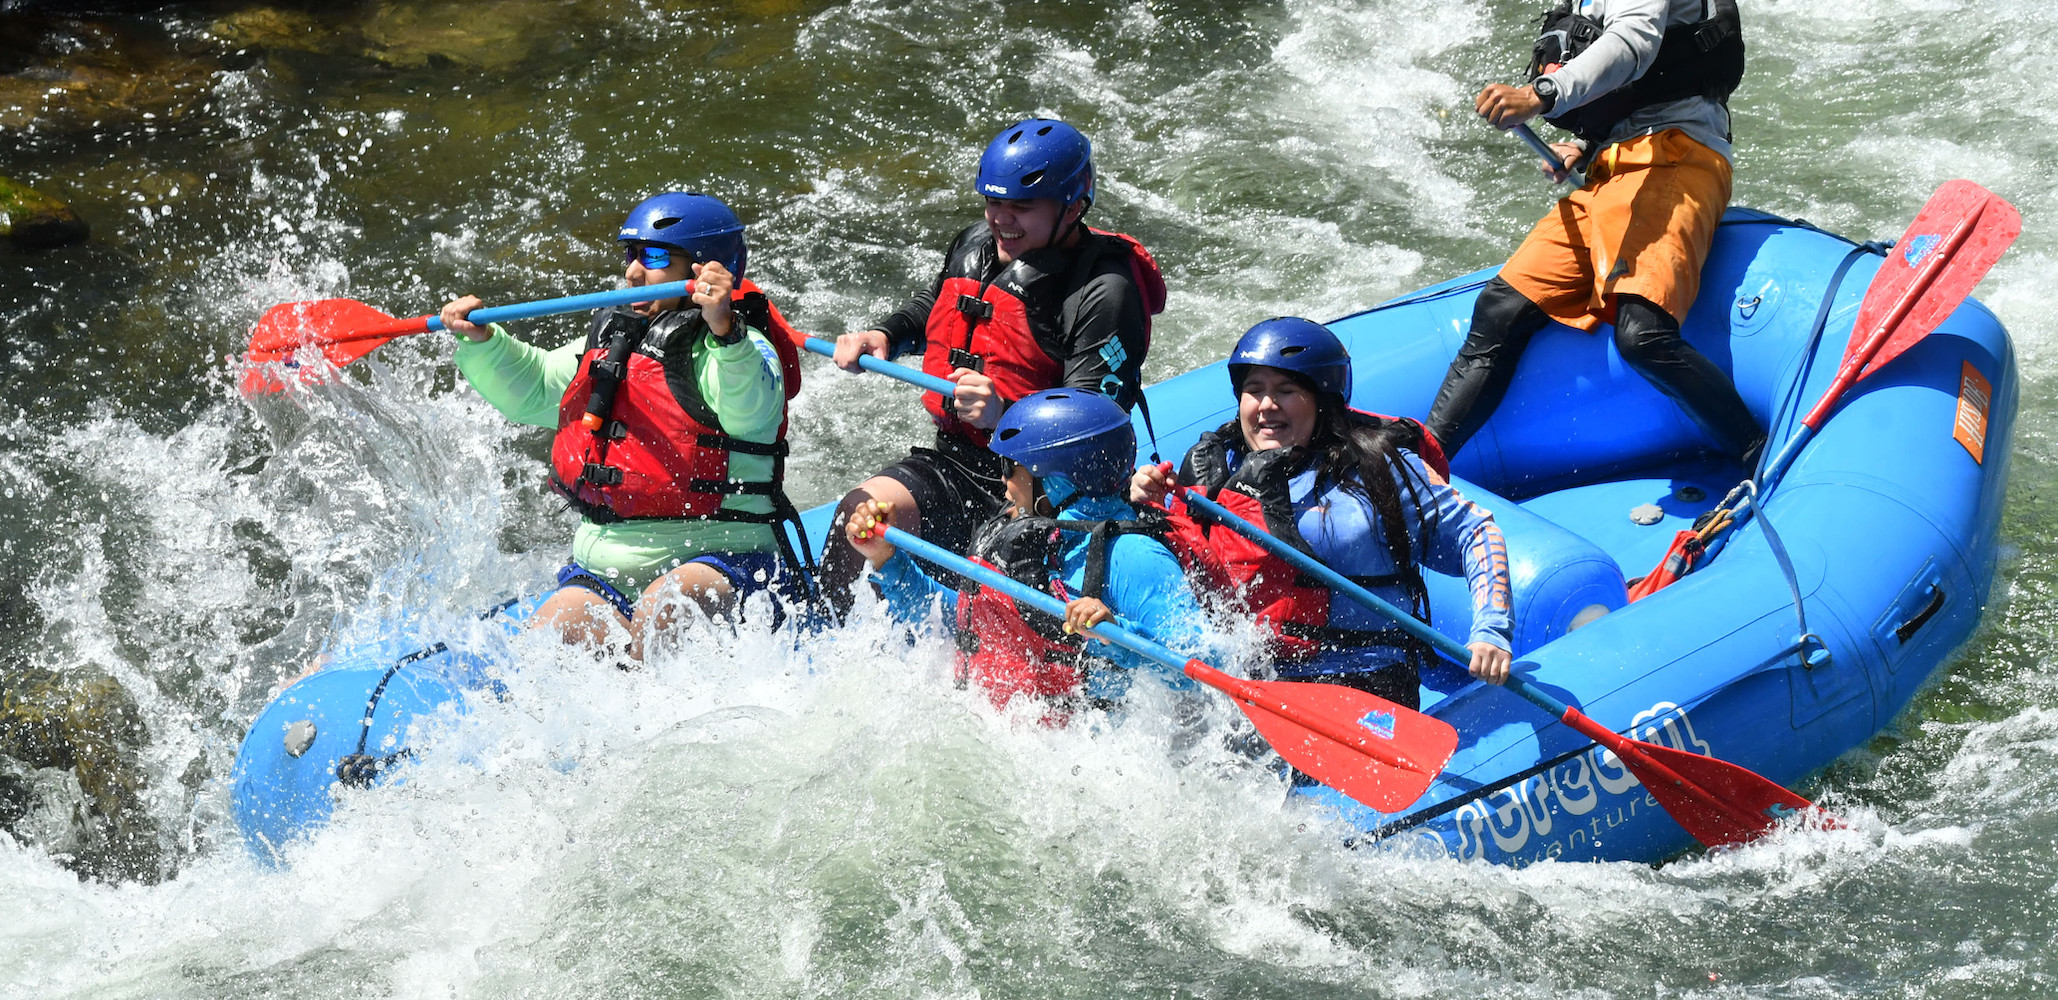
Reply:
x=79, y=721
x=32, y=220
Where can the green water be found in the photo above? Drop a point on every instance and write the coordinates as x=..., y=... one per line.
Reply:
x=859, y=832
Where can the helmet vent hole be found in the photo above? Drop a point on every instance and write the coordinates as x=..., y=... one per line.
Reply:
x=1009, y=433
x=1287, y=352
x=1031, y=178
x=1017, y=137
x=1043, y=131
x=666, y=223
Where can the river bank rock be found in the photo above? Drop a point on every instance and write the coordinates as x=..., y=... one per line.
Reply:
x=32, y=220
x=71, y=778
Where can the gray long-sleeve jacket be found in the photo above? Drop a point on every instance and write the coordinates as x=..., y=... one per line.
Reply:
x=1632, y=31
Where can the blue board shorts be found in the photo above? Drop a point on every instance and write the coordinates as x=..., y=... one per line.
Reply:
x=747, y=572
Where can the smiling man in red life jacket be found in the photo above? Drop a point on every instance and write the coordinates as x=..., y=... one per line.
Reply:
x=671, y=427
x=1030, y=298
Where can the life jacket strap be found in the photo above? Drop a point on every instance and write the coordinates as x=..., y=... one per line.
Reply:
x=723, y=442
x=974, y=307
x=731, y=487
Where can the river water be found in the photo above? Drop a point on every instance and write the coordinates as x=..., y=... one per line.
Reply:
x=746, y=819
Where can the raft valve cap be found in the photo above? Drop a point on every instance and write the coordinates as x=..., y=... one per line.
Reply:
x=299, y=736
x=1647, y=513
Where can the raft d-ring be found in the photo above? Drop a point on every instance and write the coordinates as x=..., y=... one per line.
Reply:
x=299, y=736
x=1814, y=652
x=1749, y=308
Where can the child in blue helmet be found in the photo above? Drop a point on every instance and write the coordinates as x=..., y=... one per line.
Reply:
x=1070, y=532
x=1351, y=489
x=671, y=421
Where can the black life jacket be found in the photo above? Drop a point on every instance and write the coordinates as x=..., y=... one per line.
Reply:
x=1702, y=59
x=1011, y=650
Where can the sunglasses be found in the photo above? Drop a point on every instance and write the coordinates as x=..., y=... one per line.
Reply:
x=655, y=258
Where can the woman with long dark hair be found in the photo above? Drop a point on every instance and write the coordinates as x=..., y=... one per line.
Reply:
x=1366, y=495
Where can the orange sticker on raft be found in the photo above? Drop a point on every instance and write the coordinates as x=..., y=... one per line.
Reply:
x=1974, y=393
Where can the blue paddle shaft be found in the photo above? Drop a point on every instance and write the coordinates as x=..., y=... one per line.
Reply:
x=1341, y=584
x=1550, y=156
x=937, y=555
x=1543, y=149
x=940, y=386
x=573, y=303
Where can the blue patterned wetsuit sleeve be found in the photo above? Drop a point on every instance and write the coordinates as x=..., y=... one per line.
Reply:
x=1457, y=536
x=911, y=592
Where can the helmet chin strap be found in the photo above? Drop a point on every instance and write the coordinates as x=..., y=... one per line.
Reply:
x=1078, y=225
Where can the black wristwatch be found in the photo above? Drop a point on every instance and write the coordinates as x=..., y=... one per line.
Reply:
x=1546, y=90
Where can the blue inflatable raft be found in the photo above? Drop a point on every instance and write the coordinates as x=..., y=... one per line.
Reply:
x=1889, y=517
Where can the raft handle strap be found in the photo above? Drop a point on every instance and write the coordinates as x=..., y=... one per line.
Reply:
x=1814, y=652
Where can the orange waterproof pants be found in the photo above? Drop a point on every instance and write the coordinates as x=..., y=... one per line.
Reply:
x=1641, y=226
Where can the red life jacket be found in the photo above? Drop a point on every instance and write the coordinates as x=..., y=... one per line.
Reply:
x=986, y=325
x=1015, y=651
x=1291, y=606
x=658, y=450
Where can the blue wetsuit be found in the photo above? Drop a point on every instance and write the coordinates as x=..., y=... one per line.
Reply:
x=1145, y=588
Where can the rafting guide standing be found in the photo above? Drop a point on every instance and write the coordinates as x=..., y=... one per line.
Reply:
x=1643, y=86
x=1029, y=298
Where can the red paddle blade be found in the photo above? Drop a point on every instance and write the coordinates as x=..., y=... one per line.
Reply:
x=1364, y=746
x=1719, y=803
x=1950, y=246
x=344, y=329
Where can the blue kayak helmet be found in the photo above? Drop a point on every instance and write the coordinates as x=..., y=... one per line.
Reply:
x=1037, y=158
x=697, y=223
x=1301, y=346
x=1075, y=435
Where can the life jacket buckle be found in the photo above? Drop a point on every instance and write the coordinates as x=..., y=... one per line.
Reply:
x=601, y=475
x=975, y=307
x=615, y=430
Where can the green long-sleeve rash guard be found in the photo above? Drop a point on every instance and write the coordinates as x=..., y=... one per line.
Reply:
x=742, y=382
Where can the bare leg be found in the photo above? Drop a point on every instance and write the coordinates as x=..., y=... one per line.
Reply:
x=581, y=616
x=841, y=564
x=659, y=611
